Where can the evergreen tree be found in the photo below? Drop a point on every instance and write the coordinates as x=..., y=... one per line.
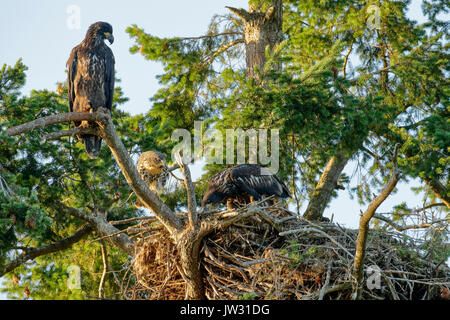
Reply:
x=342, y=80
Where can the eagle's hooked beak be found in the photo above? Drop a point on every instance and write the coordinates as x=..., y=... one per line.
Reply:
x=110, y=37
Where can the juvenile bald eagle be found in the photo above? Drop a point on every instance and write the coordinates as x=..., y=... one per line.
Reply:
x=153, y=169
x=242, y=184
x=91, y=79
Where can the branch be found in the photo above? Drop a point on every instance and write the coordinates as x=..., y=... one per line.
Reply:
x=191, y=202
x=49, y=120
x=414, y=226
x=104, y=228
x=108, y=133
x=222, y=49
x=270, y=13
x=105, y=269
x=241, y=13
x=71, y=132
x=151, y=200
x=212, y=35
x=176, y=165
x=344, y=67
x=364, y=224
x=439, y=190
x=327, y=281
x=31, y=254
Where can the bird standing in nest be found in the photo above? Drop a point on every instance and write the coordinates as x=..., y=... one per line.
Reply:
x=243, y=184
x=153, y=169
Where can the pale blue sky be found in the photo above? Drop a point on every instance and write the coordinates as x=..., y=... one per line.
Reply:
x=37, y=31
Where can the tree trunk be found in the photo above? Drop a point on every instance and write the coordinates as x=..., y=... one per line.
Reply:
x=189, y=249
x=325, y=187
x=262, y=29
x=188, y=244
x=439, y=190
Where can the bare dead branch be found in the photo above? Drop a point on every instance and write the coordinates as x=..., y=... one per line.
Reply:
x=108, y=133
x=50, y=120
x=192, y=202
x=105, y=269
x=327, y=281
x=71, y=132
x=414, y=226
x=125, y=221
x=241, y=13
x=358, y=265
x=221, y=50
x=149, y=198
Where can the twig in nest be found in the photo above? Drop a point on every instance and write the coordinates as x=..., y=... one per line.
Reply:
x=327, y=281
x=126, y=221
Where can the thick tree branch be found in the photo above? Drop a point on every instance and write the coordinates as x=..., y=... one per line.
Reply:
x=31, y=254
x=103, y=227
x=108, y=133
x=49, y=120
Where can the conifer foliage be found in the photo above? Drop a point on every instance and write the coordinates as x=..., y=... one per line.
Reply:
x=342, y=81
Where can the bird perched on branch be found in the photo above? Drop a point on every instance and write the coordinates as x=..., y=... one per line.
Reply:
x=153, y=169
x=242, y=184
x=91, y=79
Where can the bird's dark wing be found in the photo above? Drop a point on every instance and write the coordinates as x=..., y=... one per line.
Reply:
x=259, y=180
x=221, y=178
x=109, y=78
x=72, y=71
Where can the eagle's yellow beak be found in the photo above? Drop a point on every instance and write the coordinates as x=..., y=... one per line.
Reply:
x=110, y=37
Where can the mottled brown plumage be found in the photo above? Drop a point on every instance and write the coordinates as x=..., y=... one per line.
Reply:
x=152, y=167
x=91, y=79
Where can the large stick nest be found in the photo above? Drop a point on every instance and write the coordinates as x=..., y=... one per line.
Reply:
x=274, y=254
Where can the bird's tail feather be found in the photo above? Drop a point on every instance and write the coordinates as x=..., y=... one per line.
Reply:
x=92, y=144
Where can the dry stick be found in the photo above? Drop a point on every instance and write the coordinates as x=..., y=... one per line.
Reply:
x=71, y=132
x=105, y=268
x=190, y=189
x=99, y=223
x=129, y=230
x=358, y=265
x=126, y=221
x=327, y=281
x=109, y=134
x=49, y=120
